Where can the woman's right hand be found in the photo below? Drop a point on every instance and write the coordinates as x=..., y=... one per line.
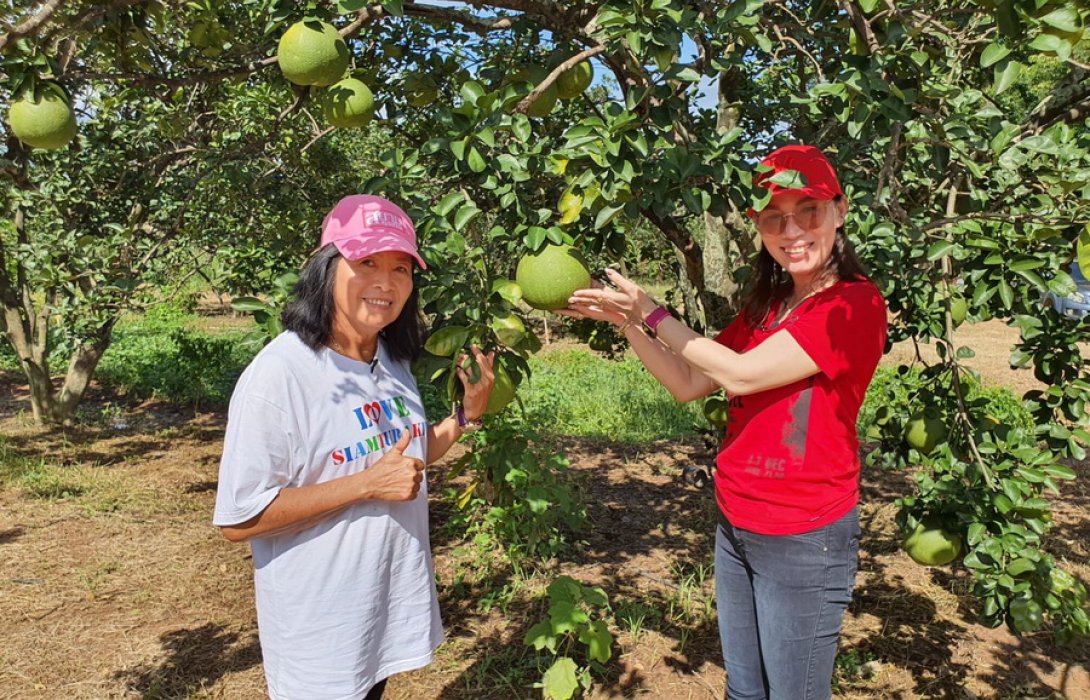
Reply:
x=394, y=477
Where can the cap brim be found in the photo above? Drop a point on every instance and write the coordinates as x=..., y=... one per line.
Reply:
x=356, y=249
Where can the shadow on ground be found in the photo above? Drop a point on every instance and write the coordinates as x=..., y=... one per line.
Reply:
x=194, y=659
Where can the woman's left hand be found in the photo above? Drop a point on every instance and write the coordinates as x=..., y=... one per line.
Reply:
x=625, y=300
x=477, y=392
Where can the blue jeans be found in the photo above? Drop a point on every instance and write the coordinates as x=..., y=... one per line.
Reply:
x=781, y=599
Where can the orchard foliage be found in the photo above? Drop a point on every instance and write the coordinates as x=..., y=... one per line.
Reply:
x=959, y=128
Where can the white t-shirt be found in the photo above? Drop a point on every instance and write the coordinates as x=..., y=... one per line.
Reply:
x=351, y=600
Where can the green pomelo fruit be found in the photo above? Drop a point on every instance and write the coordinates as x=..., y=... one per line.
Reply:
x=931, y=545
x=1082, y=251
x=958, y=310
x=503, y=389
x=312, y=53
x=546, y=102
x=45, y=122
x=509, y=329
x=924, y=432
x=549, y=278
x=717, y=410
x=574, y=81
x=348, y=104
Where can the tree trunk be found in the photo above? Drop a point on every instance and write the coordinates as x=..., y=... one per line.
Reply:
x=27, y=331
x=726, y=244
x=81, y=367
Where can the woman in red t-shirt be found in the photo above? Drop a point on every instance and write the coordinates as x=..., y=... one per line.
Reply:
x=795, y=365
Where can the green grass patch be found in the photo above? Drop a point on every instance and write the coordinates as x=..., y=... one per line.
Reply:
x=574, y=392
x=37, y=478
x=165, y=354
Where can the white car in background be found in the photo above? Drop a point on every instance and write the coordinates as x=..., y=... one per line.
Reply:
x=1075, y=305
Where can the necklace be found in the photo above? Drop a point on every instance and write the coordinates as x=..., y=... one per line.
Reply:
x=788, y=308
x=370, y=356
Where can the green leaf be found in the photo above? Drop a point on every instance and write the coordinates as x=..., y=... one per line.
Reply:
x=248, y=304
x=447, y=341
x=447, y=203
x=598, y=640
x=687, y=75
x=606, y=215
x=1050, y=43
x=1066, y=19
x=941, y=250
x=559, y=681
x=476, y=162
x=465, y=214
x=1006, y=73
x=1022, y=264
x=509, y=291
x=566, y=616
x=868, y=5
x=1020, y=566
x=520, y=127
x=471, y=91
x=458, y=149
x=994, y=53
x=534, y=237
x=346, y=6
x=1006, y=294
x=394, y=7
x=541, y=636
x=487, y=137
x=788, y=179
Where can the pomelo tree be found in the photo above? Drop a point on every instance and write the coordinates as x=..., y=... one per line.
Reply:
x=172, y=177
x=959, y=128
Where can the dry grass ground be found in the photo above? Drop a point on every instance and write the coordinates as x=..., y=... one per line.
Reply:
x=113, y=584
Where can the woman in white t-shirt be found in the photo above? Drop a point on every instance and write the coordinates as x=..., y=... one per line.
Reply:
x=323, y=467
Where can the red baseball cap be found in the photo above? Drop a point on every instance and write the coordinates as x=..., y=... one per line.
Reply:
x=810, y=162
x=364, y=224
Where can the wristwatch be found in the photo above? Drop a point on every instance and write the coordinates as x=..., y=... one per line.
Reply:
x=467, y=426
x=657, y=316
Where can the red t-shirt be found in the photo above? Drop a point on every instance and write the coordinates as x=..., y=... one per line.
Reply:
x=790, y=460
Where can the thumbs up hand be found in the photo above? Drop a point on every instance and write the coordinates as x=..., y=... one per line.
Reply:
x=394, y=477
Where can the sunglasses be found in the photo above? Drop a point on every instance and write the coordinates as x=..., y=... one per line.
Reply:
x=807, y=217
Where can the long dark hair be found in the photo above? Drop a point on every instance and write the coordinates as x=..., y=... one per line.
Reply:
x=770, y=283
x=310, y=314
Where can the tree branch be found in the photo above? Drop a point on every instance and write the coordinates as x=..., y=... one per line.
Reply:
x=31, y=24
x=859, y=22
x=477, y=25
x=552, y=76
x=684, y=242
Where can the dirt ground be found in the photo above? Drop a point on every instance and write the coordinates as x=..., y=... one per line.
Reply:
x=113, y=584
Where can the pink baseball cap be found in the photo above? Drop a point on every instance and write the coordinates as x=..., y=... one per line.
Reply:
x=810, y=162
x=363, y=224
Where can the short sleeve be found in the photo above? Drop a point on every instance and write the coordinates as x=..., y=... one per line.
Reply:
x=843, y=330
x=256, y=461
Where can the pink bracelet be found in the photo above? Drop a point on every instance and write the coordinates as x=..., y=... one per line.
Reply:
x=655, y=318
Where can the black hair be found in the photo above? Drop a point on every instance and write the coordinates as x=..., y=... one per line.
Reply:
x=770, y=283
x=310, y=313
